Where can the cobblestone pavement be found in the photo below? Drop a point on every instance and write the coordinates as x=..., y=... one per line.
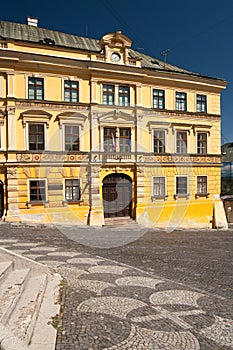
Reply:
x=169, y=291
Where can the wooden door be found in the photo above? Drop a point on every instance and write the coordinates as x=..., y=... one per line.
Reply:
x=117, y=195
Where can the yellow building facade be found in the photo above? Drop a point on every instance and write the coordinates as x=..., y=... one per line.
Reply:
x=92, y=130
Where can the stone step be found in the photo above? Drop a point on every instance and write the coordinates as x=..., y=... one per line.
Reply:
x=29, y=299
x=10, y=292
x=119, y=222
x=44, y=335
x=5, y=268
x=25, y=313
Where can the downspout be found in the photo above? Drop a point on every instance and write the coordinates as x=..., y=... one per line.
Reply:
x=90, y=155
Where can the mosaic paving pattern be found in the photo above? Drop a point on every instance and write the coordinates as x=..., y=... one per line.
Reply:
x=115, y=307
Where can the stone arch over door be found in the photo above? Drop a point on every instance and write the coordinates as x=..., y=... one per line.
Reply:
x=117, y=195
x=1, y=198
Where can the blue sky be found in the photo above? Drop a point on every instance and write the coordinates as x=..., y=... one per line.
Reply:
x=198, y=33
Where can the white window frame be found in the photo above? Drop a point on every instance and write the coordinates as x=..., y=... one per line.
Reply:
x=116, y=89
x=200, y=94
x=204, y=194
x=46, y=191
x=152, y=97
x=181, y=92
x=44, y=85
x=154, y=196
x=207, y=141
x=165, y=139
x=81, y=141
x=74, y=79
x=188, y=134
x=64, y=189
x=27, y=135
x=182, y=195
x=2, y=138
x=1, y=85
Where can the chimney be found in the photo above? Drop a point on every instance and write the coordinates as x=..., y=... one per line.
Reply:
x=32, y=21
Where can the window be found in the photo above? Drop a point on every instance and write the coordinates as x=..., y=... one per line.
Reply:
x=72, y=190
x=181, y=185
x=109, y=139
x=124, y=96
x=158, y=99
x=71, y=137
x=181, y=142
x=71, y=91
x=35, y=88
x=201, y=103
x=36, y=137
x=125, y=140
x=159, y=141
x=202, y=143
x=108, y=94
x=201, y=185
x=37, y=190
x=181, y=101
x=159, y=186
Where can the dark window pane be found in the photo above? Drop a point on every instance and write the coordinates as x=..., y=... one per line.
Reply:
x=72, y=190
x=158, y=99
x=181, y=185
x=159, y=141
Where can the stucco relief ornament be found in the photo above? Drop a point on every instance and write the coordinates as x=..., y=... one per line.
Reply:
x=11, y=172
x=10, y=110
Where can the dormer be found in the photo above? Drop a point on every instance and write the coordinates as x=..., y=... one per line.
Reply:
x=116, y=49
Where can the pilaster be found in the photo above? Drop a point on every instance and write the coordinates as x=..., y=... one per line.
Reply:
x=96, y=214
x=11, y=127
x=12, y=194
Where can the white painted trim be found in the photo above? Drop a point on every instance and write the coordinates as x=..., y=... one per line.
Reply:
x=1, y=85
x=188, y=140
x=165, y=184
x=165, y=138
x=26, y=135
x=207, y=181
x=2, y=141
x=80, y=131
x=38, y=179
x=207, y=140
x=187, y=183
x=36, y=76
x=75, y=79
x=64, y=185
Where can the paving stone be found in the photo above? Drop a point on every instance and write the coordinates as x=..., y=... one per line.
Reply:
x=165, y=290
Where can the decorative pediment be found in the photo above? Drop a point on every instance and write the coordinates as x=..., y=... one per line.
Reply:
x=71, y=118
x=116, y=49
x=158, y=125
x=116, y=117
x=116, y=39
x=35, y=116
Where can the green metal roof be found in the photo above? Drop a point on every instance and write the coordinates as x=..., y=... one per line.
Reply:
x=29, y=33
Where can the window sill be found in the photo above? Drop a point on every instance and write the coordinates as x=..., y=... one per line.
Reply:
x=37, y=203
x=197, y=195
x=154, y=198
x=65, y=202
x=186, y=196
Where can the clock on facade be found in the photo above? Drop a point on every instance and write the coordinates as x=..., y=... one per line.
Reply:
x=115, y=57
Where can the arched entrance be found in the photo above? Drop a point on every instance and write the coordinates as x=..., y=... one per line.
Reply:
x=117, y=195
x=1, y=199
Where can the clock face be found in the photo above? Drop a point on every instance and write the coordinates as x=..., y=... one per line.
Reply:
x=115, y=57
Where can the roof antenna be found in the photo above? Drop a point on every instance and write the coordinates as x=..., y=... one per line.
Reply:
x=164, y=53
x=86, y=30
